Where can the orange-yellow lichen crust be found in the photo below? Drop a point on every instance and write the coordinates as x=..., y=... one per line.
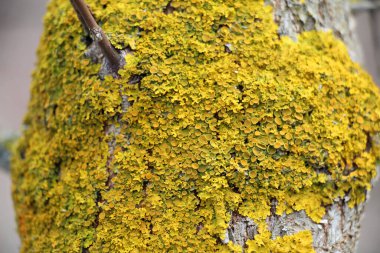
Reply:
x=227, y=117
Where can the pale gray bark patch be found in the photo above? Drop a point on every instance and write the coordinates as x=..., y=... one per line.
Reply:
x=94, y=53
x=112, y=131
x=338, y=231
x=240, y=230
x=293, y=17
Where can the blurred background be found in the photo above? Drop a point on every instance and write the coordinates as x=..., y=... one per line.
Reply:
x=20, y=28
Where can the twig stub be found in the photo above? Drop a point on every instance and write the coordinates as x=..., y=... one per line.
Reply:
x=97, y=35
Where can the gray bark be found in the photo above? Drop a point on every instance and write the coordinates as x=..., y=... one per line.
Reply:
x=294, y=18
x=338, y=231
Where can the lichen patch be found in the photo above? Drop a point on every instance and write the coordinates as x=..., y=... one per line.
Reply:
x=208, y=132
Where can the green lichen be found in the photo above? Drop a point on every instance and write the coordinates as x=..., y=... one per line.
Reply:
x=227, y=117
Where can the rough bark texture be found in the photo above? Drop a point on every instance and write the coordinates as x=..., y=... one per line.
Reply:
x=294, y=17
x=338, y=231
x=240, y=230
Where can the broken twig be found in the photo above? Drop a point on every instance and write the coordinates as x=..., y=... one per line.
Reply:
x=97, y=34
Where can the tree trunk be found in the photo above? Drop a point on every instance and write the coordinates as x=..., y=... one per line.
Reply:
x=232, y=127
x=338, y=231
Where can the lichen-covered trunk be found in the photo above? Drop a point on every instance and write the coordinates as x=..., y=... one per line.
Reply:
x=225, y=131
x=338, y=231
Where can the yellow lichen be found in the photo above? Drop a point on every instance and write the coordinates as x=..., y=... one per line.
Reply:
x=227, y=117
x=300, y=242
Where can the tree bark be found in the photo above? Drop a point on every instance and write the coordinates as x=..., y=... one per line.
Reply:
x=338, y=231
x=294, y=18
x=117, y=179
